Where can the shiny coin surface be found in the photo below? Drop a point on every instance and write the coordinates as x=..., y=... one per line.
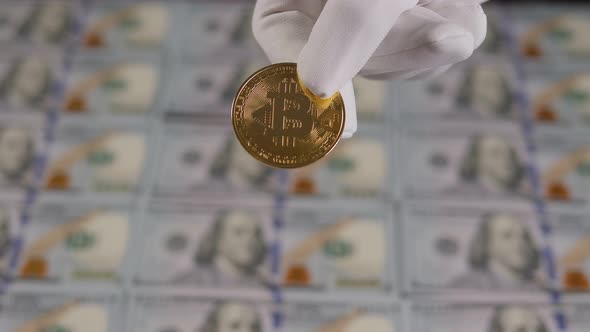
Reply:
x=281, y=125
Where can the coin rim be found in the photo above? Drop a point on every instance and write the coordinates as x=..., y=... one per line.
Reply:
x=255, y=156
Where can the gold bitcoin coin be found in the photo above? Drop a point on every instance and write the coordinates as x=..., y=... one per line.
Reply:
x=280, y=124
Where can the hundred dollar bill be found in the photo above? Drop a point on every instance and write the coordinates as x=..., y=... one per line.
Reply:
x=482, y=317
x=454, y=248
x=127, y=27
x=211, y=30
x=75, y=242
x=560, y=97
x=331, y=316
x=330, y=248
x=51, y=312
x=552, y=34
x=205, y=248
x=482, y=88
x=570, y=244
x=190, y=314
x=563, y=161
x=208, y=160
x=114, y=86
x=20, y=146
x=359, y=168
x=467, y=162
x=28, y=77
x=85, y=159
x=37, y=22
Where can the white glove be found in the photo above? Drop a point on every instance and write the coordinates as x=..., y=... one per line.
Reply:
x=334, y=40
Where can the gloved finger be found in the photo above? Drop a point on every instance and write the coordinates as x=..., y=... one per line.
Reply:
x=420, y=39
x=411, y=74
x=430, y=73
x=466, y=13
x=282, y=28
x=344, y=37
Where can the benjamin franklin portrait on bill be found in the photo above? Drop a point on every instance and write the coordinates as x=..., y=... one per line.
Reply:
x=233, y=251
x=502, y=255
x=490, y=165
x=232, y=317
x=516, y=319
x=16, y=157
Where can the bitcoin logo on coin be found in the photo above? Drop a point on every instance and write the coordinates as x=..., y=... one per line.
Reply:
x=279, y=124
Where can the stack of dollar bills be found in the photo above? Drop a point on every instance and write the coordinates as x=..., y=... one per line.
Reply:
x=127, y=205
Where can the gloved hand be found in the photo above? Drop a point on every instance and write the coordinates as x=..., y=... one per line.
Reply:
x=333, y=40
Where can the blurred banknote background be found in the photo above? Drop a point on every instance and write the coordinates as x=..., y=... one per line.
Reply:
x=126, y=204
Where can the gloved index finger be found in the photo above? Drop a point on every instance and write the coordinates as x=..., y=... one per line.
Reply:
x=343, y=39
x=282, y=27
